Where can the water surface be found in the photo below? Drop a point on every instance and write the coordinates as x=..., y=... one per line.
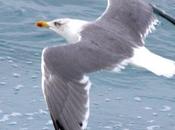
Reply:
x=133, y=99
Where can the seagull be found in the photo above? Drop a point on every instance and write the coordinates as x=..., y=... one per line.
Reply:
x=110, y=42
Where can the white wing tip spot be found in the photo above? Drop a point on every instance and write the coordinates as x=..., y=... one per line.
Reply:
x=150, y=29
x=84, y=80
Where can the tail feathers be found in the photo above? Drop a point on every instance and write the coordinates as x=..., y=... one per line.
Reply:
x=152, y=62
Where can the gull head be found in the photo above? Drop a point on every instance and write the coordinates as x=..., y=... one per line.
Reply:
x=67, y=28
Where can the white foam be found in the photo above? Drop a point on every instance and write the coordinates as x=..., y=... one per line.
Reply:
x=49, y=122
x=36, y=86
x=155, y=114
x=10, y=61
x=15, y=65
x=43, y=112
x=5, y=118
x=12, y=123
x=29, y=62
x=138, y=99
x=30, y=118
x=139, y=117
x=16, y=75
x=148, y=108
x=126, y=129
x=15, y=114
x=9, y=58
x=23, y=129
x=3, y=83
x=118, y=98
x=2, y=58
x=166, y=109
x=153, y=127
x=108, y=127
x=18, y=87
x=107, y=100
x=29, y=114
x=34, y=76
x=118, y=125
x=151, y=121
x=45, y=128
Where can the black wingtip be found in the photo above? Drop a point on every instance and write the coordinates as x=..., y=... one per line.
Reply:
x=57, y=124
x=163, y=14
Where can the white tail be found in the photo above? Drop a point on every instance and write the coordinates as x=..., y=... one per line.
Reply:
x=158, y=65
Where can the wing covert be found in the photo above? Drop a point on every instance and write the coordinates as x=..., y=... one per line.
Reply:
x=132, y=17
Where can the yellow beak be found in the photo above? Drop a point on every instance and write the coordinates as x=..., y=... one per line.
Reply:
x=42, y=24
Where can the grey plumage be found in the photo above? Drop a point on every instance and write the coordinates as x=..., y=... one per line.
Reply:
x=64, y=69
x=105, y=43
x=129, y=17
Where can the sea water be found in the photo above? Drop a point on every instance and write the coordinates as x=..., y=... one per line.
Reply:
x=133, y=99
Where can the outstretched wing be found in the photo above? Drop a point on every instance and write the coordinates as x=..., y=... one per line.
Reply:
x=132, y=18
x=65, y=86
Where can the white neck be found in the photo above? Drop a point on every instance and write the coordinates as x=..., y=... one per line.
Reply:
x=72, y=30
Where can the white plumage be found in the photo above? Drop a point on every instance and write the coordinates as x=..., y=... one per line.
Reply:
x=156, y=64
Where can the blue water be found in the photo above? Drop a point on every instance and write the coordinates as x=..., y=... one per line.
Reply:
x=133, y=99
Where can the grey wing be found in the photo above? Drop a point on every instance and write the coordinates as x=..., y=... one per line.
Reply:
x=132, y=18
x=65, y=86
x=68, y=102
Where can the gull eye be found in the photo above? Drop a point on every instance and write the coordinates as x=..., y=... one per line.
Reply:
x=57, y=24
